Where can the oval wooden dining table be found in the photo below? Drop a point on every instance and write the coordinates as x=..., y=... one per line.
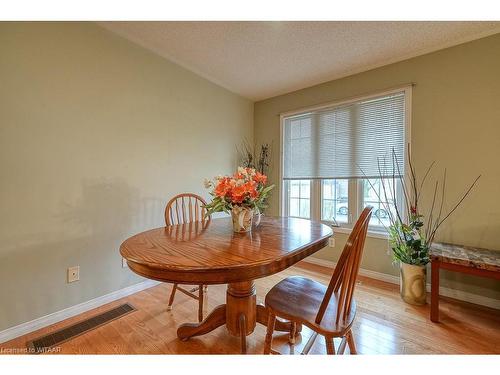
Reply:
x=210, y=252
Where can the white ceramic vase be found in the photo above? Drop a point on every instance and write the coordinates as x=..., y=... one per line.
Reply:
x=242, y=219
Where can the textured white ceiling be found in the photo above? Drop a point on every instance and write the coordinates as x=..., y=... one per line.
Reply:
x=259, y=60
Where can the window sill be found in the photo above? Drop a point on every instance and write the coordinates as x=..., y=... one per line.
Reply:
x=371, y=233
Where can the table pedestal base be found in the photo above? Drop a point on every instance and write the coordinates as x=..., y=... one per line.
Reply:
x=240, y=314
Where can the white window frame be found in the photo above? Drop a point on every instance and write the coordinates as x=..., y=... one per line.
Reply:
x=355, y=186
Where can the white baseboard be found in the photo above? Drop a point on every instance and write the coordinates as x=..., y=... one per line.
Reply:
x=44, y=321
x=447, y=292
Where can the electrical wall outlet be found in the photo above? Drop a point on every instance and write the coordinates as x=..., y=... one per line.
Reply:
x=73, y=274
x=124, y=263
x=331, y=242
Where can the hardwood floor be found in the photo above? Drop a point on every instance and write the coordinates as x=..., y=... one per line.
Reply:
x=384, y=324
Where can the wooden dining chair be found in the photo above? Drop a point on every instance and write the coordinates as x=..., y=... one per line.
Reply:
x=183, y=209
x=328, y=311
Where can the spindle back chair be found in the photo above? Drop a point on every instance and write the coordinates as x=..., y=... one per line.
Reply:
x=346, y=270
x=187, y=208
x=328, y=311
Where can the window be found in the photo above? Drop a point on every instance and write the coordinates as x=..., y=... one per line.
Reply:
x=379, y=193
x=299, y=193
x=334, y=200
x=338, y=159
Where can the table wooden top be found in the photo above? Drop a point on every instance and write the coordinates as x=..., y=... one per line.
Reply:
x=212, y=253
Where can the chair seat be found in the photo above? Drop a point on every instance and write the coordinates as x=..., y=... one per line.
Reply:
x=298, y=299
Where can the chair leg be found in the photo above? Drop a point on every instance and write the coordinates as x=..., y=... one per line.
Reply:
x=330, y=348
x=342, y=346
x=269, y=334
x=200, y=304
x=293, y=332
x=172, y=295
x=309, y=344
x=350, y=342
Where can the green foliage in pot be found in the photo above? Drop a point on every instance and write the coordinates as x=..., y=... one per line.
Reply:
x=407, y=243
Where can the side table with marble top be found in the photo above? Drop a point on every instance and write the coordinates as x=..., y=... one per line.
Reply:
x=458, y=258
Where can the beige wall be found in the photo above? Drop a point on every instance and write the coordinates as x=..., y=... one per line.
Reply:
x=455, y=121
x=96, y=134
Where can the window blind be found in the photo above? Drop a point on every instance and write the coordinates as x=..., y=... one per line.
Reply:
x=348, y=141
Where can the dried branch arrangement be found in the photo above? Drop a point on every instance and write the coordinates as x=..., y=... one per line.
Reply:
x=249, y=157
x=411, y=233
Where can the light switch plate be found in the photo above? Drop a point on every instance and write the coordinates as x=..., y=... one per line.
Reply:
x=73, y=274
x=124, y=263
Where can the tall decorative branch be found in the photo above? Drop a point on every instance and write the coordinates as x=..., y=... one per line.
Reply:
x=410, y=238
x=441, y=221
x=249, y=157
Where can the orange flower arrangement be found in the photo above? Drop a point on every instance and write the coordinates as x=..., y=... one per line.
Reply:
x=246, y=188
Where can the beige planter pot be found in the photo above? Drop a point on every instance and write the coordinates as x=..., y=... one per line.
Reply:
x=413, y=283
x=242, y=219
